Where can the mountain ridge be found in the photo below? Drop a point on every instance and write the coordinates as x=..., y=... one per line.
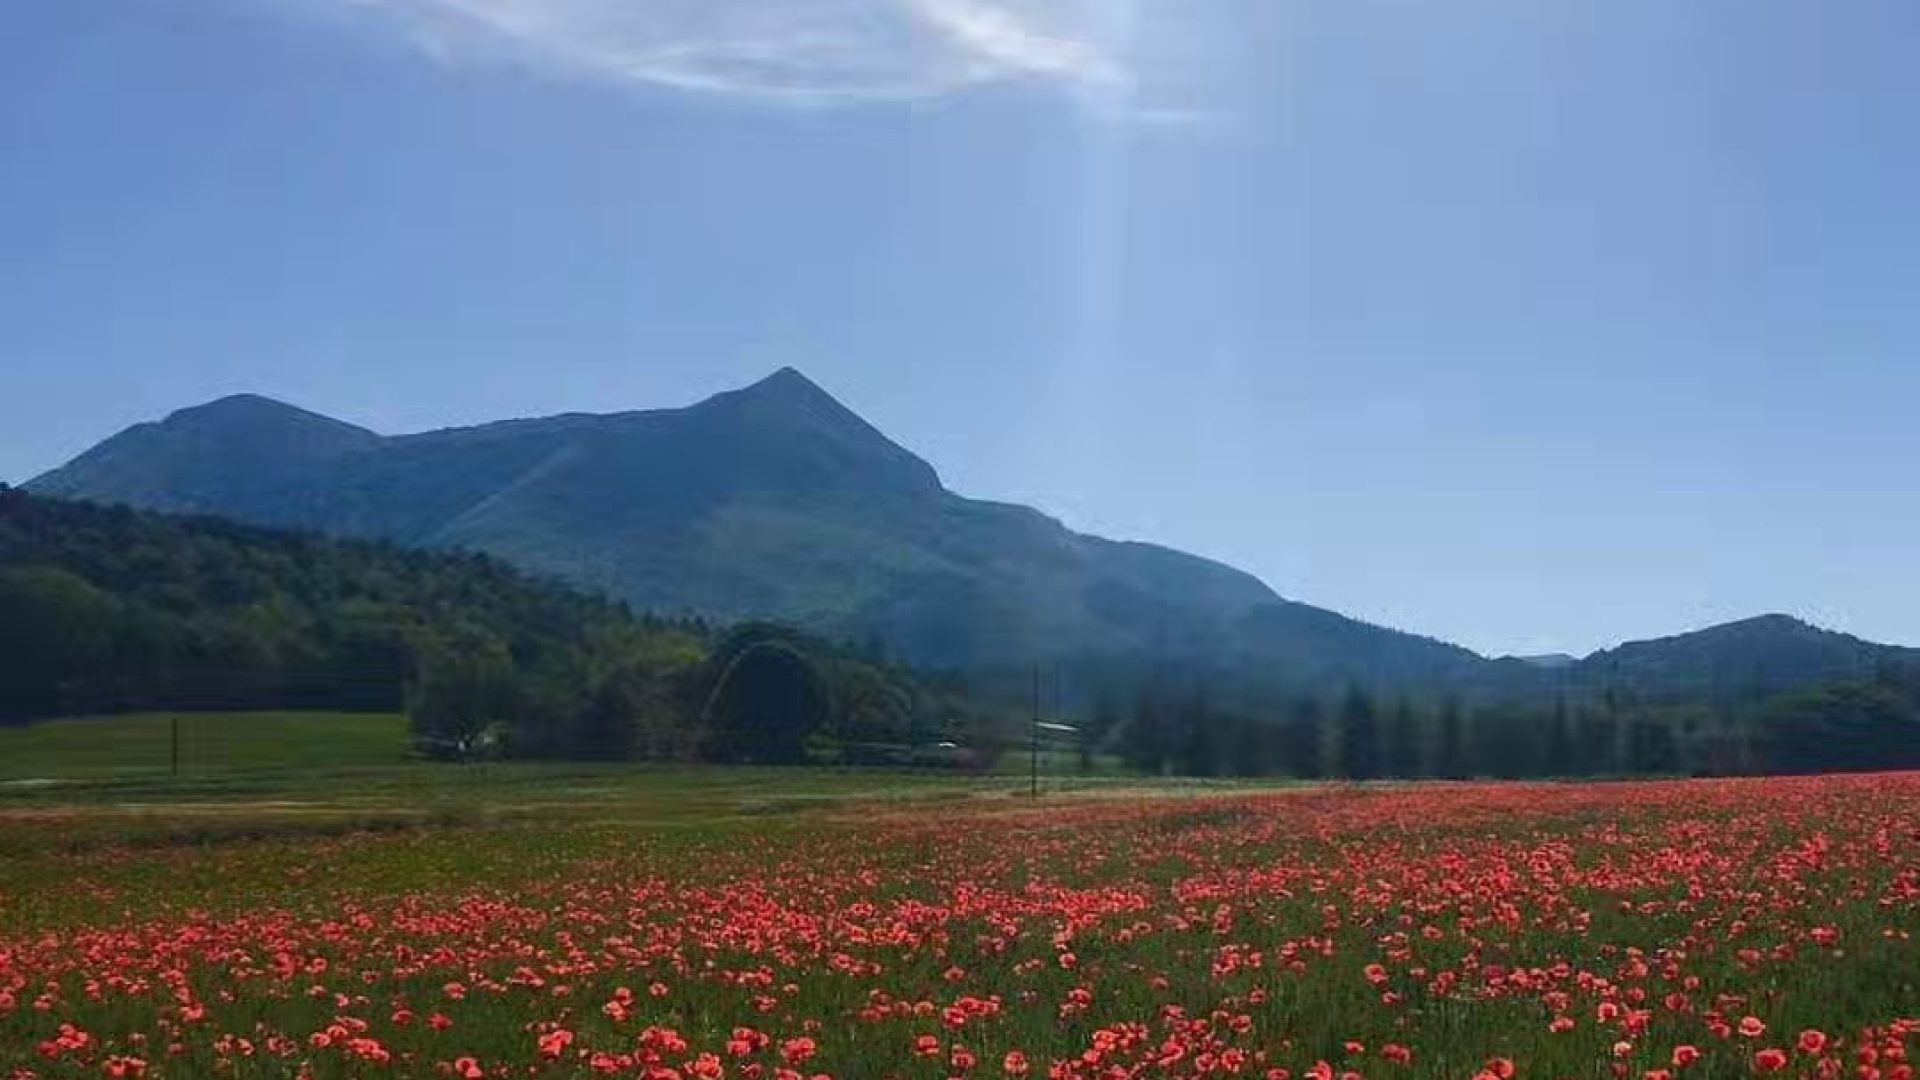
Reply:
x=776, y=500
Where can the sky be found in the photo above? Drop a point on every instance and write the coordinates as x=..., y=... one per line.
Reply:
x=1535, y=327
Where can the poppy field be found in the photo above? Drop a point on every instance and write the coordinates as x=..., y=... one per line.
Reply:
x=1652, y=930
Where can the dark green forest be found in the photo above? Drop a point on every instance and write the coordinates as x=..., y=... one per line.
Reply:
x=108, y=609
x=1180, y=726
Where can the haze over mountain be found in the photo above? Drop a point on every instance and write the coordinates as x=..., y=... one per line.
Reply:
x=777, y=501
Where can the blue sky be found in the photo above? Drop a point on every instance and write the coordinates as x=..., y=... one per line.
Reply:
x=1535, y=326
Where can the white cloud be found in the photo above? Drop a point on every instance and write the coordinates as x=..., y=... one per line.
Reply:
x=794, y=50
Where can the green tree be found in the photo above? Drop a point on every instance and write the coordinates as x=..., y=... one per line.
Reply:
x=1450, y=741
x=1251, y=745
x=1145, y=742
x=871, y=709
x=1651, y=746
x=1301, y=753
x=1602, y=742
x=766, y=698
x=1102, y=722
x=1842, y=726
x=463, y=687
x=1360, y=757
x=1403, y=752
x=1200, y=747
x=56, y=644
x=1559, y=758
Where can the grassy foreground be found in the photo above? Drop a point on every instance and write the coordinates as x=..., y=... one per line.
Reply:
x=520, y=921
x=141, y=744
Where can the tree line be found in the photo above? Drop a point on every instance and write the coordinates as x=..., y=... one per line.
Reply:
x=1185, y=727
x=108, y=609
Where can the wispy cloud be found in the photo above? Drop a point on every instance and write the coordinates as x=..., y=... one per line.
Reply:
x=783, y=50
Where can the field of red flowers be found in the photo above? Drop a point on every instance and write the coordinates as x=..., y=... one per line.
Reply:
x=1685, y=929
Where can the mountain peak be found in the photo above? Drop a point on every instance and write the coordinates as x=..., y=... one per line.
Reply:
x=788, y=378
x=245, y=401
x=1776, y=620
x=199, y=457
x=786, y=386
x=789, y=420
x=1771, y=624
x=255, y=410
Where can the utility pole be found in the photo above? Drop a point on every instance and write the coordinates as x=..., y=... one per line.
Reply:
x=176, y=745
x=1033, y=733
x=1037, y=725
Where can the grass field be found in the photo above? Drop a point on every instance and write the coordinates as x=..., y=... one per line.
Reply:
x=541, y=921
x=142, y=743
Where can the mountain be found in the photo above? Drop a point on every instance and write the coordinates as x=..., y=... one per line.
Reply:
x=770, y=501
x=1548, y=661
x=1750, y=658
x=777, y=501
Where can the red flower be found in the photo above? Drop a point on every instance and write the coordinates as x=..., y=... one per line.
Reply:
x=555, y=1042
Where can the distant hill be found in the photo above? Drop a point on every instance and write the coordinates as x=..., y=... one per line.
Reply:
x=770, y=501
x=1749, y=658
